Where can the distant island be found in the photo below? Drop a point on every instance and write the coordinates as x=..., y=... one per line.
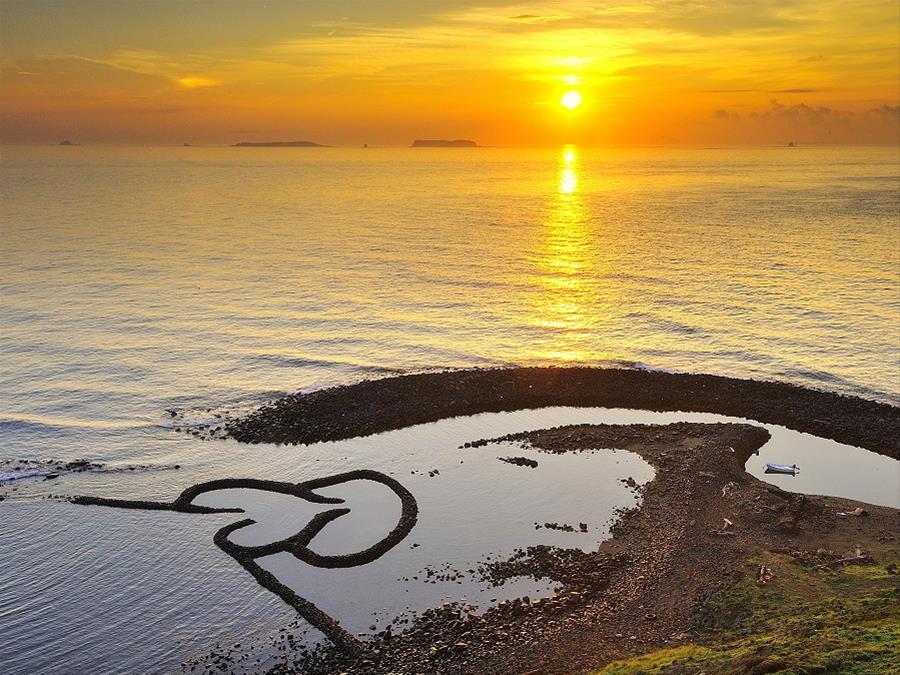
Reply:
x=442, y=143
x=67, y=142
x=278, y=144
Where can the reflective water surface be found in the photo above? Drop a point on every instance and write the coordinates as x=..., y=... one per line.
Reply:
x=138, y=280
x=75, y=575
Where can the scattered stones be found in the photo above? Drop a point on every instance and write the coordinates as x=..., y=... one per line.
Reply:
x=562, y=527
x=658, y=558
x=520, y=461
x=12, y=471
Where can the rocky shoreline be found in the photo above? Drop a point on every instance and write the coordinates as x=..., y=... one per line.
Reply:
x=647, y=587
x=374, y=406
x=652, y=585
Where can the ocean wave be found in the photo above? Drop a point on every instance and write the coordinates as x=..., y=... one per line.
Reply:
x=9, y=476
x=638, y=365
x=301, y=362
x=189, y=419
x=667, y=325
x=832, y=382
x=54, y=424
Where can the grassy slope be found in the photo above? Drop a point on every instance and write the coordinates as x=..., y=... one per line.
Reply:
x=806, y=621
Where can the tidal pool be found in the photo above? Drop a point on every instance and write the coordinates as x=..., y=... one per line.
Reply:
x=84, y=587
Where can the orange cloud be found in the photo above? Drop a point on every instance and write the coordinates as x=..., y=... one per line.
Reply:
x=648, y=71
x=193, y=82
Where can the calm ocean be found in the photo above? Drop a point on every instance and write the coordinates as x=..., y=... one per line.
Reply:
x=137, y=280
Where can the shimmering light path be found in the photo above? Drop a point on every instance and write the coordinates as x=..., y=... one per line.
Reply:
x=136, y=280
x=140, y=279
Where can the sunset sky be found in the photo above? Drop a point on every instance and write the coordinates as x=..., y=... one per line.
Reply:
x=340, y=72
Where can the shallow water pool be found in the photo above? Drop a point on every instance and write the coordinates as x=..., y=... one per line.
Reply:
x=83, y=587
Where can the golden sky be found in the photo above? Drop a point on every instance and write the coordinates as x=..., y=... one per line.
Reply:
x=386, y=72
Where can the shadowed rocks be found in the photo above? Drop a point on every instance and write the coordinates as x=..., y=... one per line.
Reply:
x=297, y=544
x=374, y=406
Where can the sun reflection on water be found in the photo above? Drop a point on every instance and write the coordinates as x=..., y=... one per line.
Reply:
x=564, y=290
x=568, y=180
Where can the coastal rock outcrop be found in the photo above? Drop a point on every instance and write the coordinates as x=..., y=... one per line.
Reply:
x=444, y=143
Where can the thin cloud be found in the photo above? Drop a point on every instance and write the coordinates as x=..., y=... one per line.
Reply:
x=538, y=18
x=194, y=82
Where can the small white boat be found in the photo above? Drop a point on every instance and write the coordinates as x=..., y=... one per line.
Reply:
x=791, y=470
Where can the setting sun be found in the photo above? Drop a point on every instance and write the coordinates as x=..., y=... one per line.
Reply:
x=571, y=100
x=361, y=319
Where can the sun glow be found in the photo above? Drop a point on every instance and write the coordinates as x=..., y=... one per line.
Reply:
x=566, y=296
x=570, y=100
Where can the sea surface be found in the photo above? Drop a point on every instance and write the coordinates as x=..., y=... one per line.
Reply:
x=138, y=280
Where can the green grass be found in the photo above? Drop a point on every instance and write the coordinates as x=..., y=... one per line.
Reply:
x=805, y=622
